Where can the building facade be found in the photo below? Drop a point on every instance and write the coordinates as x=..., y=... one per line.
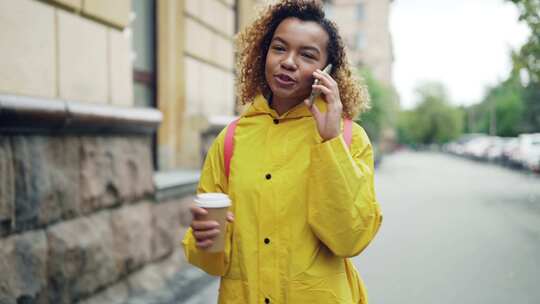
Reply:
x=102, y=107
x=195, y=75
x=364, y=25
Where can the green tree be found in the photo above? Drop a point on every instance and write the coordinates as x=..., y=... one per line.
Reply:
x=503, y=108
x=466, y=118
x=407, y=130
x=433, y=120
x=383, y=110
x=527, y=62
x=513, y=106
x=531, y=103
x=528, y=57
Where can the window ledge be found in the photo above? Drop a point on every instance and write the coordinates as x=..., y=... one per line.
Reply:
x=23, y=114
x=176, y=183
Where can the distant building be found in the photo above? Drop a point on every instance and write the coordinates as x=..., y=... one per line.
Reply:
x=364, y=25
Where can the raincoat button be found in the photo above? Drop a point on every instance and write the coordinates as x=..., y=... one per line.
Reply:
x=268, y=176
x=266, y=300
x=267, y=241
x=276, y=121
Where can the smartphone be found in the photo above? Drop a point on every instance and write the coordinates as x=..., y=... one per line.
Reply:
x=315, y=93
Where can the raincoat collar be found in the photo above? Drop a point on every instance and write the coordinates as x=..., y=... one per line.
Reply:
x=260, y=106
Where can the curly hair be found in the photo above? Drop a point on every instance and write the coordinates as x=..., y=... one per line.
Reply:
x=254, y=41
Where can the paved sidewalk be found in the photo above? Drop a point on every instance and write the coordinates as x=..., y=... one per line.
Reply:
x=206, y=296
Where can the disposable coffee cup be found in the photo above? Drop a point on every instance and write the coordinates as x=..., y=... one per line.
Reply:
x=217, y=205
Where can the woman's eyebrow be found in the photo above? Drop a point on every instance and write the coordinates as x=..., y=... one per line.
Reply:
x=280, y=40
x=308, y=48
x=311, y=48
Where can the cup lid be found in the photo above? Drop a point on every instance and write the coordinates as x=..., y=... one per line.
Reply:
x=212, y=200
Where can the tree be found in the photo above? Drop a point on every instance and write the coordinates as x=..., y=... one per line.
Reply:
x=434, y=120
x=531, y=103
x=528, y=57
x=506, y=99
x=527, y=61
x=383, y=110
x=407, y=130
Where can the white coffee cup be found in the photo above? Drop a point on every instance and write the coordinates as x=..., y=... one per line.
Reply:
x=217, y=205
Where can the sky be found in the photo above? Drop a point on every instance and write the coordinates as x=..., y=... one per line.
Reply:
x=464, y=44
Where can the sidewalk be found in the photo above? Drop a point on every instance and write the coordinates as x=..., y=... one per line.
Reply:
x=206, y=296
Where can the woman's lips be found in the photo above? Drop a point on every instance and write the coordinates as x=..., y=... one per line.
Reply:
x=284, y=80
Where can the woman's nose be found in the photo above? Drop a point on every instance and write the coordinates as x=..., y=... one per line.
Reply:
x=288, y=63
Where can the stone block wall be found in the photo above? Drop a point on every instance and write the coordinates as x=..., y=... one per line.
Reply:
x=79, y=222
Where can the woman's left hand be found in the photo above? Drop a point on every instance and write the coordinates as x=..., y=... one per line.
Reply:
x=329, y=123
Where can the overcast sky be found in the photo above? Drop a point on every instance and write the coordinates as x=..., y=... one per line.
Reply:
x=464, y=44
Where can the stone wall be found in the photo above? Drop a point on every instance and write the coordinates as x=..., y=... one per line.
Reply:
x=79, y=222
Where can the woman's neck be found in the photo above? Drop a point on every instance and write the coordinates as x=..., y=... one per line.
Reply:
x=281, y=106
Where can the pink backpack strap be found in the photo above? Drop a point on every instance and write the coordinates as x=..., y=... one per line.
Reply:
x=347, y=132
x=229, y=146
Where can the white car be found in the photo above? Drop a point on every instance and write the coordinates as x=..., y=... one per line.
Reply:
x=477, y=148
x=510, y=151
x=529, y=146
x=495, y=150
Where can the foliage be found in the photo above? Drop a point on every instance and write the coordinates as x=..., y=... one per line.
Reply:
x=528, y=57
x=513, y=106
x=505, y=102
x=509, y=108
x=531, y=103
x=383, y=110
x=433, y=120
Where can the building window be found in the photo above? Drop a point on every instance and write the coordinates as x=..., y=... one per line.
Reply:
x=144, y=53
x=360, y=41
x=143, y=26
x=360, y=11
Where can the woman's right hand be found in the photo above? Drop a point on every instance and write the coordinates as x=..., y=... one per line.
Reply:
x=205, y=231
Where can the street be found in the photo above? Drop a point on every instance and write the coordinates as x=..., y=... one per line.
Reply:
x=454, y=231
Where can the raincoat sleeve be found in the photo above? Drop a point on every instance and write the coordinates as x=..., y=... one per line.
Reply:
x=212, y=180
x=342, y=208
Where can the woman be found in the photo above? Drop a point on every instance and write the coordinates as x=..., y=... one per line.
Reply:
x=303, y=201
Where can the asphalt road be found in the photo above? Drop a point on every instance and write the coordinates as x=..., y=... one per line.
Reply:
x=454, y=231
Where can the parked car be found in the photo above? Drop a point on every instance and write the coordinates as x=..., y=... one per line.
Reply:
x=510, y=153
x=458, y=147
x=517, y=152
x=494, y=152
x=478, y=147
x=530, y=151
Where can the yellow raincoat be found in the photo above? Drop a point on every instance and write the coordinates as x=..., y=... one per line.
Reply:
x=301, y=207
